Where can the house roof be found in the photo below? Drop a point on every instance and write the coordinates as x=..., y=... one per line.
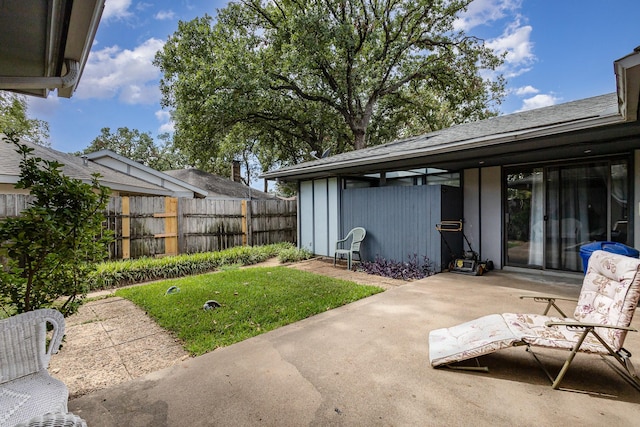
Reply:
x=125, y=165
x=217, y=186
x=45, y=44
x=600, y=125
x=74, y=167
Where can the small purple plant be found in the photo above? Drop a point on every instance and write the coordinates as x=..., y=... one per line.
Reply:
x=409, y=270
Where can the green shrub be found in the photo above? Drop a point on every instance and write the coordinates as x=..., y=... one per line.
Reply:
x=50, y=250
x=114, y=274
x=294, y=254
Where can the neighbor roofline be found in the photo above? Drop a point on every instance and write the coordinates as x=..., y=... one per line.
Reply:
x=108, y=153
x=135, y=189
x=13, y=179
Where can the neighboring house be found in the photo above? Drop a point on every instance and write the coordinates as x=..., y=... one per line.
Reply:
x=532, y=187
x=218, y=187
x=175, y=186
x=133, y=180
x=44, y=45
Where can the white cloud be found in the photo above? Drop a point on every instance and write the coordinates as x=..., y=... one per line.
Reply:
x=142, y=6
x=116, y=9
x=484, y=12
x=127, y=74
x=525, y=90
x=539, y=101
x=167, y=125
x=516, y=43
x=164, y=14
x=515, y=40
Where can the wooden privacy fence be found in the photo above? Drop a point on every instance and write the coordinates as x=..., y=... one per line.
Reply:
x=159, y=226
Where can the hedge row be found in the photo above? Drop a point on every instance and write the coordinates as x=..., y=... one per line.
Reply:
x=115, y=274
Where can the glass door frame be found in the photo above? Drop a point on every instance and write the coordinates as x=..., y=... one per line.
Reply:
x=545, y=168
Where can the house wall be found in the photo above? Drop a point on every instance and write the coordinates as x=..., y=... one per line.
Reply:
x=401, y=221
x=11, y=189
x=471, y=191
x=482, y=189
x=318, y=215
x=491, y=215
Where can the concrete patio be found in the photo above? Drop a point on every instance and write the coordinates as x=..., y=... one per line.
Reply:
x=367, y=364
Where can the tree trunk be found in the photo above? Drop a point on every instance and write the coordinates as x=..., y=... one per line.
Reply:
x=359, y=139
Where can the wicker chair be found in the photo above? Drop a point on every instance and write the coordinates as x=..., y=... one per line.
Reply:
x=28, y=394
x=54, y=420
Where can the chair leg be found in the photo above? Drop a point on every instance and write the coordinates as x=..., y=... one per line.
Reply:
x=335, y=256
x=349, y=261
x=572, y=355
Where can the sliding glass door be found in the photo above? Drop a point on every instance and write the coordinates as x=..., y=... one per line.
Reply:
x=552, y=211
x=525, y=214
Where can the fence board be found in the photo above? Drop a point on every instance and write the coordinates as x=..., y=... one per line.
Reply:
x=203, y=225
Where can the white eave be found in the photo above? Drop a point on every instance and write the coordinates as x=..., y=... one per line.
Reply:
x=627, y=71
x=45, y=45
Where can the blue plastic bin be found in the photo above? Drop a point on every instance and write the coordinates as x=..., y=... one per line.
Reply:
x=613, y=247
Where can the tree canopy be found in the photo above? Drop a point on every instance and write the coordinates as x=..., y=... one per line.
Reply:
x=15, y=121
x=138, y=146
x=294, y=77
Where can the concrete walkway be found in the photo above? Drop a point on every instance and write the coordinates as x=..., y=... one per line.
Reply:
x=366, y=364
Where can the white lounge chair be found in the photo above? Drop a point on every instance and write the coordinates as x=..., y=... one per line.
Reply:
x=602, y=318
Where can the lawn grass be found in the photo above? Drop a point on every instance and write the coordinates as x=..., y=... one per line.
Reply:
x=253, y=301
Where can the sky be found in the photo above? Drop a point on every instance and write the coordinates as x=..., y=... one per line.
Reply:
x=556, y=51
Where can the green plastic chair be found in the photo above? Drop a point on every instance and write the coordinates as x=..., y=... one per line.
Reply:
x=357, y=236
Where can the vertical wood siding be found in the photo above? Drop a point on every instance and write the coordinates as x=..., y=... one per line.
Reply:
x=400, y=221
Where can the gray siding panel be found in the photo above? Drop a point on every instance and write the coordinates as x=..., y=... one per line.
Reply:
x=333, y=211
x=320, y=217
x=400, y=221
x=305, y=214
x=491, y=216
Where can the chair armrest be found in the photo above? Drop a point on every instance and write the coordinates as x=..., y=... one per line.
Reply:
x=341, y=241
x=580, y=325
x=550, y=300
x=540, y=298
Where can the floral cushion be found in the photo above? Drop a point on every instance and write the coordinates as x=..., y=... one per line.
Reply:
x=468, y=340
x=609, y=294
x=531, y=329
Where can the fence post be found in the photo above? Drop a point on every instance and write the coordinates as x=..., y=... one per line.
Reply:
x=126, y=228
x=180, y=226
x=170, y=234
x=249, y=221
x=244, y=222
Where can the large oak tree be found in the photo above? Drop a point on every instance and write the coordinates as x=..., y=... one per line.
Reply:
x=295, y=77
